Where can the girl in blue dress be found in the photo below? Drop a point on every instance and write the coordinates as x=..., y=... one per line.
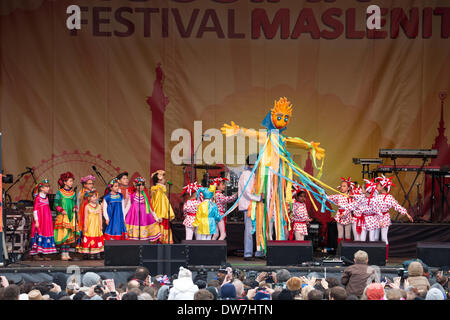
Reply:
x=114, y=211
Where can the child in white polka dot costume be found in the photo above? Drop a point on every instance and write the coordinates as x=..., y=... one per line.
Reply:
x=190, y=208
x=299, y=216
x=387, y=202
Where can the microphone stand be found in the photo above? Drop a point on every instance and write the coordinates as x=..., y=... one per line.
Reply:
x=100, y=175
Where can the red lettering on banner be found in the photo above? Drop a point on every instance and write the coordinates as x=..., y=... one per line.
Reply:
x=260, y=21
x=427, y=23
x=216, y=24
x=445, y=24
x=185, y=32
x=124, y=21
x=351, y=33
x=97, y=21
x=329, y=20
x=306, y=15
x=409, y=26
x=232, y=26
x=147, y=21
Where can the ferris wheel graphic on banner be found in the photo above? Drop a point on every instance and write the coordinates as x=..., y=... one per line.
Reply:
x=79, y=163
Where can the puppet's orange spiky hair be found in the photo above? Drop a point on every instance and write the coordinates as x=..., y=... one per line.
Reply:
x=283, y=106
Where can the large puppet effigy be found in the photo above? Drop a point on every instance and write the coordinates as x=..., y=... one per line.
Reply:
x=276, y=172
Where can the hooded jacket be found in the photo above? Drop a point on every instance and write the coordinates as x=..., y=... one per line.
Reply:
x=183, y=289
x=416, y=278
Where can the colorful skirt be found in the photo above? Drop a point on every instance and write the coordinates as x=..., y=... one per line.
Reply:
x=91, y=245
x=64, y=230
x=41, y=244
x=189, y=220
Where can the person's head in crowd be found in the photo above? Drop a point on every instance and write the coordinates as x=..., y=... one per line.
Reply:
x=284, y=294
x=228, y=292
x=332, y=282
x=417, y=279
x=11, y=292
x=361, y=257
x=156, y=283
x=283, y=275
x=403, y=294
x=60, y=280
x=137, y=291
x=44, y=287
x=96, y=297
x=65, y=298
x=86, y=297
x=91, y=279
x=203, y=294
x=24, y=296
x=201, y=284
x=294, y=285
x=145, y=296
x=262, y=294
x=393, y=294
x=26, y=287
x=142, y=274
x=352, y=297
x=214, y=283
x=435, y=294
x=305, y=292
x=338, y=293
x=79, y=295
x=412, y=293
x=163, y=293
x=240, y=292
x=130, y=296
x=315, y=295
x=213, y=291
x=375, y=291
x=133, y=284
x=151, y=291
x=239, y=274
x=319, y=286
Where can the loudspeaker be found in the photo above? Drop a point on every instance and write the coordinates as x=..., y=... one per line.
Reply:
x=123, y=252
x=434, y=254
x=288, y=253
x=375, y=250
x=164, y=258
x=206, y=252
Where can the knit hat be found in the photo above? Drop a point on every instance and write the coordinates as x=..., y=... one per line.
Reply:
x=262, y=294
x=228, y=291
x=375, y=291
x=434, y=294
x=294, y=284
x=35, y=295
x=184, y=273
x=90, y=279
x=415, y=269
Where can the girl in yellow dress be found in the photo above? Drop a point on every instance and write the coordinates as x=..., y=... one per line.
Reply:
x=92, y=241
x=161, y=205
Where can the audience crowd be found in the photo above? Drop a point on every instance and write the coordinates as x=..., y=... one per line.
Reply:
x=358, y=282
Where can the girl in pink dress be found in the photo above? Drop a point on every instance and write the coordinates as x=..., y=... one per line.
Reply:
x=343, y=216
x=190, y=208
x=42, y=237
x=141, y=221
x=299, y=216
x=222, y=201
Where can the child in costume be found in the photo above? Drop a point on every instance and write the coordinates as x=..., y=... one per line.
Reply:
x=141, y=221
x=222, y=201
x=92, y=242
x=299, y=216
x=114, y=211
x=42, y=237
x=357, y=219
x=274, y=173
x=65, y=225
x=87, y=184
x=387, y=201
x=190, y=208
x=368, y=206
x=161, y=205
x=207, y=214
x=343, y=216
x=124, y=187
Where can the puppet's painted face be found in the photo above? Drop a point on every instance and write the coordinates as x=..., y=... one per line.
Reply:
x=280, y=120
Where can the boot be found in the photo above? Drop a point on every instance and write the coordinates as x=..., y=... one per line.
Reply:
x=64, y=256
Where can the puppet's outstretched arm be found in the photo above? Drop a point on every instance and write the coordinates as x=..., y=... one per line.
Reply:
x=232, y=129
x=317, y=151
